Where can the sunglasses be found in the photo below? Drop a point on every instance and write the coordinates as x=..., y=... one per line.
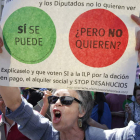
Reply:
x=65, y=100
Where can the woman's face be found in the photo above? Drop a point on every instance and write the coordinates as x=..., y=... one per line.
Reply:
x=64, y=117
x=138, y=96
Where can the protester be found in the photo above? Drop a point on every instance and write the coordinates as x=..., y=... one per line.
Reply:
x=133, y=109
x=101, y=112
x=33, y=96
x=8, y=128
x=45, y=106
x=69, y=109
x=115, y=102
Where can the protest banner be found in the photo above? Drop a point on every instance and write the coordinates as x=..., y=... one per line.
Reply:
x=83, y=45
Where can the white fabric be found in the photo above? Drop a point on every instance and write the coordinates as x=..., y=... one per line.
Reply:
x=8, y=127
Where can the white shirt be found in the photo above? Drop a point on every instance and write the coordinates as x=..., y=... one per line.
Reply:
x=8, y=127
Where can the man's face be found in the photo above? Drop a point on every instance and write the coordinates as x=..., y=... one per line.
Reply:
x=2, y=105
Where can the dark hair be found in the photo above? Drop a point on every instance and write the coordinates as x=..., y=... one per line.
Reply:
x=135, y=89
x=99, y=99
x=25, y=93
x=34, y=96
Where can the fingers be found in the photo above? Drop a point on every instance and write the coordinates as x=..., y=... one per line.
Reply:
x=139, y=56
x=138, y=41
x=127, y=108
x=1, y=44
x=137, y=48
x=126, y=105
x=47, y=93
x=136, y=19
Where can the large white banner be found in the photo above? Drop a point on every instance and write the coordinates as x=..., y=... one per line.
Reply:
x=85, y=45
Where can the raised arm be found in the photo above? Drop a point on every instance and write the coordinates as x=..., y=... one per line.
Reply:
x=128, y=113
x=11, y=97
x=45, y=102
x=137, y=20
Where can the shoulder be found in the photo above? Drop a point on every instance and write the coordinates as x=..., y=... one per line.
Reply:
x=94, y=133
x=108, y=96
x=100, y=134
x=134, y=129
x=129, y=132
x=131, y=104
x=106, y=106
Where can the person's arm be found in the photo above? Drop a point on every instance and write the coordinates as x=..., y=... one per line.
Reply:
x=45, y=102
x=31, y=123
x=129, y=113
x=93, y=123
x=119, y=113
x=137, y=48
x=11, y=97
x=132, y=132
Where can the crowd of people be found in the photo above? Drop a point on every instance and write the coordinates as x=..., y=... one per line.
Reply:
x=75, y=115
x=104, y=111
